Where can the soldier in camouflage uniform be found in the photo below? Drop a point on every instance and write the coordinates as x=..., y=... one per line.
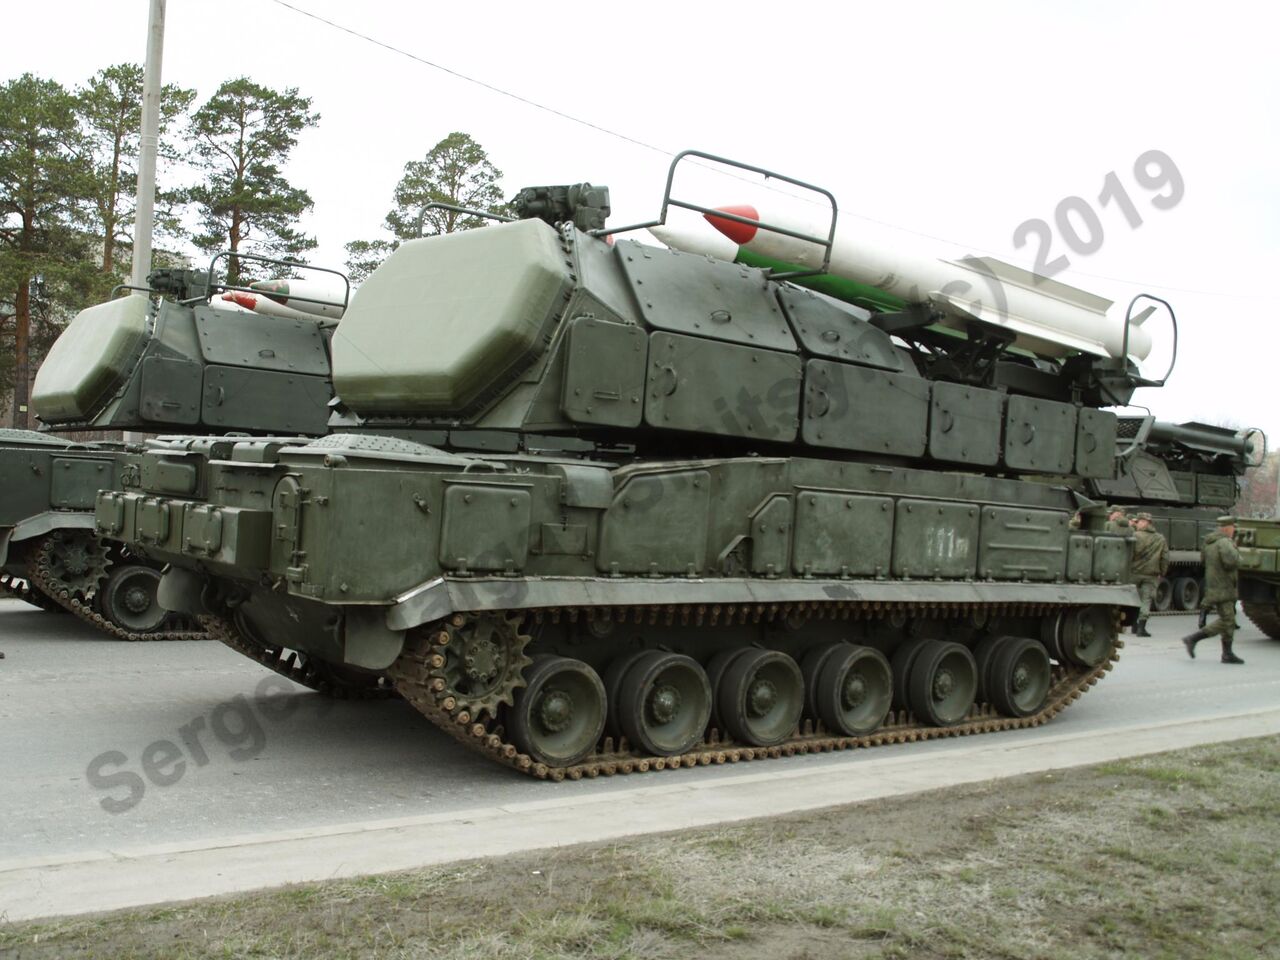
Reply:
x=1150, y=563
x=1221, y=563
x=1117, y=522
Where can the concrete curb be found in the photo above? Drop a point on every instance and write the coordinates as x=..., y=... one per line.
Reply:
x=110, y=880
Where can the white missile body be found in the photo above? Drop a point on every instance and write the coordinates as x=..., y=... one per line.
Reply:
x=699, y=238
x=286, y=292
x=1049, y=318
x=262, y=304
x=221, y=303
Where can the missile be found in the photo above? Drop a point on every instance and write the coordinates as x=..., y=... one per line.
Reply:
x=1048, y=318
x=285, y=292
x=261, y=303
x=229, y=306
x=709, y=243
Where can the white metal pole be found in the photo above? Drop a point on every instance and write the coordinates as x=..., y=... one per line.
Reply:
x=144, y=218
x=144, y=205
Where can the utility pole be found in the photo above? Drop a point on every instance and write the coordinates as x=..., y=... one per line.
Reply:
x=145, y=204
x=146, y=200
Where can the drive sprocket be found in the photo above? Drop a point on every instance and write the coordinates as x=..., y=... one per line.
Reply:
x=72, y=563
x=478, y=660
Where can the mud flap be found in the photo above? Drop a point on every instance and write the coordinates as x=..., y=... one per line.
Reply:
x=370, y=643
x=179, y=592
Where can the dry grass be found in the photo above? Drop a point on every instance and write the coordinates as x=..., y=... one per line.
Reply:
x=1169, y=856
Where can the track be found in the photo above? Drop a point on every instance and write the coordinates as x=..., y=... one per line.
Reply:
x=20, y=589
x=314, y=674
x=1265, y=616
x=67, y=600
x=417, y=676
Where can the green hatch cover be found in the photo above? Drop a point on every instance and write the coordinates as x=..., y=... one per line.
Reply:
x=445, y=321
x=96, y=351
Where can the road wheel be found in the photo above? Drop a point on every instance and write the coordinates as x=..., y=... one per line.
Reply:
x=943, y=683
x=1087, y=637
x=557, y=718
x=715, y=675
x=904, y=657
x=1164, y=596
x=1019, y=677
x=854, y=690
x=761, y=697
x=665, y=703
x=1186, y=593
x=613, y=677
x=984, y=655
x=811, y=668
x=129, y=598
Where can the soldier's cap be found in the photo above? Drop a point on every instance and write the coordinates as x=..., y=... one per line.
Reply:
x=1119, y=510
x=1144, y=516
x=1226, y=520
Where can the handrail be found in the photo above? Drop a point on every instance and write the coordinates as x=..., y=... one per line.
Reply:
x=275, y=261
x=668, y=201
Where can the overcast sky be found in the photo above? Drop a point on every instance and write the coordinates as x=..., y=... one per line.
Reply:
x=951, y=121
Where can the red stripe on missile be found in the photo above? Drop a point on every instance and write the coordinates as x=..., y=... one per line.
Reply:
x=246, y=300
x=739, y=233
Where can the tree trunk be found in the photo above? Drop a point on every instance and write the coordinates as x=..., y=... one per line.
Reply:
x=113, y=197
x=22, y=329
x=108, y=243
x=21, y=352
x=233, y=244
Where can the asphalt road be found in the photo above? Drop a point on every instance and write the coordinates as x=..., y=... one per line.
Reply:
x=241, y=753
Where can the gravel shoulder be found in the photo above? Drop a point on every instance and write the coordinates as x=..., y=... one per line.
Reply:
x=1171, y=855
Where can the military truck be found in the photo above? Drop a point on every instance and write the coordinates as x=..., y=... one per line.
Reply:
x=1185, y=475
x=594, y=506
x=175, y=359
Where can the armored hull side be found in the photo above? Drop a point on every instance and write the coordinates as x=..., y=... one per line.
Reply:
x=451, y=577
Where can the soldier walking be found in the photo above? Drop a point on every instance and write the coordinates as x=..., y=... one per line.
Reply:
x=1150, y=563
x=1221, y=563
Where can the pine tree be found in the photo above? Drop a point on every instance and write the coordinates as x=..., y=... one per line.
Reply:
x=241, y=137
x=456, y=171
x=45, y=188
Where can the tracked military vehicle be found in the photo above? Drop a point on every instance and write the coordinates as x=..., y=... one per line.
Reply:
x=185, y=361
x=597, y=507
x=1185, y=475
x=1259, y=542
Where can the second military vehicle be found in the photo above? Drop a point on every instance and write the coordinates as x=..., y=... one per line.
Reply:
x=605, y=507
x=1185, y=475
x=1259, y=542
x=182, y=361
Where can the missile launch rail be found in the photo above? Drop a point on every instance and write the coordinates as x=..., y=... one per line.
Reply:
x=598, y=507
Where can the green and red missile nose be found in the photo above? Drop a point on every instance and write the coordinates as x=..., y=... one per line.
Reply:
x=737, y=231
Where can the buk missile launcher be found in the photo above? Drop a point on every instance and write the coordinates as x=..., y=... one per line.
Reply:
x=181, y=361
x=596, y=507
x=1259, y=543
x=1185, y=475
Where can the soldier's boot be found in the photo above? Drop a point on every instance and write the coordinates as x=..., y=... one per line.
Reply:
x=1190, y=642
x=1227, y=655
x=1140, y=628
